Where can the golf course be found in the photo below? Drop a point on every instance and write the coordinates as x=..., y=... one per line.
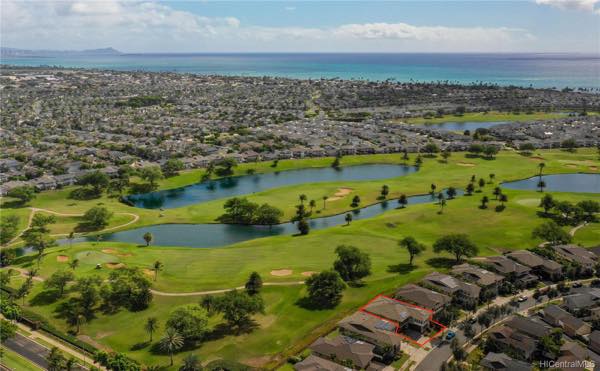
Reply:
x=284, y=261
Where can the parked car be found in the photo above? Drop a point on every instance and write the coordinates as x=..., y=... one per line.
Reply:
x=521, y=299
x=450, y=335
x=577, y=285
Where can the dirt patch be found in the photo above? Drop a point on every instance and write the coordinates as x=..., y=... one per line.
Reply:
x=536, y=158
x=308, y=273
x=115, y=265
x=341, y=193
x=109, y=251
x=281, y=272
x=465, y=164
x=62, y=258
x=101, y=335
x=89, y=340
x=149, y=272
x=257, y=362
x=594, y=168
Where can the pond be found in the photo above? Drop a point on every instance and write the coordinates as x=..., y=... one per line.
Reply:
x=213, y=235
x=248, y=184
x=462, y=126
x=578, y=183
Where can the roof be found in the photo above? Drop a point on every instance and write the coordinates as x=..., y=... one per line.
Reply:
x=565, y=318
x=478, y=275
x=533, y=260
x=513, y=338
x=504, y=265
x=501, y=361
x=529, y=327
x=576, y=254
x=584, y=297
x=314, y=363
x=450, y=285
x=395, y=310
x=372, y=328
x=422, y=296
x=345, y=348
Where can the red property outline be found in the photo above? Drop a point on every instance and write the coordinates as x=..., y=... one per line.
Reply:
x=397, y=332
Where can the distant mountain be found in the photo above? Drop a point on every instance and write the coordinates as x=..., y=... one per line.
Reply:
x=14, y=52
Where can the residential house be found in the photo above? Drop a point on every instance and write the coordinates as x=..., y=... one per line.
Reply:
x=404, y=314
x=371, y=329
x=314, y=363
x=572, y=356
x=345, y=350
x=574, y=253
x=423, y=297
x=502, y=362
x=540, y=266
x=509, y=339
x=518, y=273
x=485, y=279
x=462, y=292
x=594, y=339
x=582, y=301
x=571, y=325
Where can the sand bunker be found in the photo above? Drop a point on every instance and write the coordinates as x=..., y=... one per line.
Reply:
x=341, y=193
x=109, y=251
x=594, y=168
x=308, y=273
x=281, y=272
x=149, y=272
x=536, y=158
x=115, y=265
x=62, y=258
x=465, y=164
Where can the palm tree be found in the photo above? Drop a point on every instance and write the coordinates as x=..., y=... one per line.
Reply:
x=171, y=342
x=151, y=326
x=385, y=190
x=451, y=192
x=348, y=218
x=503, y=199
x=302, y=198
x=70, y=237
x=312, y=205
x=484, y=202
x=497, y=192
x=433, y=187
x=156, y=267
x=492, y=176
x=325, y=201
x=442, y=201
x=74, y=264
x=541, y=166
x=190, y=363
x=541, y=185
x=148, y=237
x=79, y=320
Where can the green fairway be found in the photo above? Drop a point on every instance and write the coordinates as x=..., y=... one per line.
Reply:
x=287, y=327
x=486, y=116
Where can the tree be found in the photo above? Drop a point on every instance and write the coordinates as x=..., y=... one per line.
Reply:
x=254, y=283
x=172, y=167
x=38, y=241
x=9, y=226
x=442, y=202
x=541, y=185
x=209, y=302
x=190, y=321
x=336, y=163
x=547, y=203
x=191, y=363
x=225, y=166
x=239, y=211
x=325, y=202
x=403, y=200
x=325, y=289
x=237, y=307
x=451, y=192
x=7, y=330
x=569, y=144
x=89, y=292
x=355, y=201
x=492, y=177
x=59, y=280
x=157, y=267
x=481, y=184
x=503, y=199
x=432, y=189
x=418, y=161
x=24, y=194
x=71, y=237
x=73, y=264
x=490, y=151
x=385, y=190
x=413, y=247
x=56, y=360
x=551, y=232
x=590, y=207
x=97, y=217
x=312, y=204
x=541, y=167
x=97, y=180
x=302, y=198
x=148, y=237
x=457, y=244
x=303, y=227
x=268, y=215
x=446, y=155
x=431, y=149
x=171, y=342
x=484, y=202
x=127, y=287
x=348, y=218
x=151, y=326
x=352, y=264
x=40, y=222
x=470, y=189
x=151, y=174
x=497, y=192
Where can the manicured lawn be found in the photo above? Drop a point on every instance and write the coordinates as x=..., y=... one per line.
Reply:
x=16, y=362
x=489, y=116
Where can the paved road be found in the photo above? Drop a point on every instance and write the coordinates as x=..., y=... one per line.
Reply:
x=442, y=351
x=29, y=349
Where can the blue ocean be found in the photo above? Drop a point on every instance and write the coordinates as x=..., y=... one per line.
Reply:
x=536, y=70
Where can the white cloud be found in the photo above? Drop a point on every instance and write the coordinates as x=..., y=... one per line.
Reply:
x=582, y=5
x=145, y=25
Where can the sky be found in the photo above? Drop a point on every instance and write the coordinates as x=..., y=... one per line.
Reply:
x=151, y=26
